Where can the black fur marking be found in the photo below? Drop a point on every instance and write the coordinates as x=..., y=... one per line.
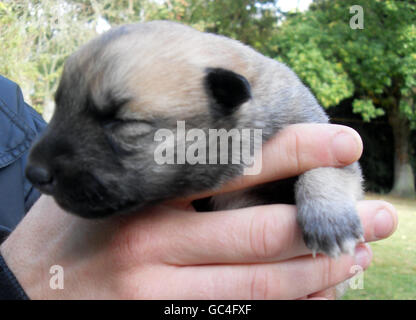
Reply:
x=107, y=112
x=228, y=89
x=282, y=191
x=203, y=205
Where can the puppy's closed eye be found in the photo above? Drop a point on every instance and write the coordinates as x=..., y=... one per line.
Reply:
x=124, y=134
x=127, y=127
x=110, y=124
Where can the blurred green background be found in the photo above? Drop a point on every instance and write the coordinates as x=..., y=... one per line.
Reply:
x=364, y=76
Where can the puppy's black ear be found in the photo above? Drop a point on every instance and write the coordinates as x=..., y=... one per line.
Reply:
x=228, y=89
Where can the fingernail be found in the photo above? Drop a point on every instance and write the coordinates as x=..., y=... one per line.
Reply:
x=344, y=147
x=362, y=256
x=383, y=224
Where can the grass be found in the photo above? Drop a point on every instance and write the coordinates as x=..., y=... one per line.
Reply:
x=392, y=274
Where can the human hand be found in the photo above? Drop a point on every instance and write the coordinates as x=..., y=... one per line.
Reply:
x=171, y=252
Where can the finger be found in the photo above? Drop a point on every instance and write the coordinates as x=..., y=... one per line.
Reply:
x=379, y=219
x=283, y=280
x=249, y=235
x=326, y=294
x=258, y=234
x=299, y=148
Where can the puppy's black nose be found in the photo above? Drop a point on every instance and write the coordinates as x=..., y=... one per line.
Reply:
x=40, y=177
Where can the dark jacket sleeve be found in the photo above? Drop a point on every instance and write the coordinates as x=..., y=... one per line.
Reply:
x=20, y=125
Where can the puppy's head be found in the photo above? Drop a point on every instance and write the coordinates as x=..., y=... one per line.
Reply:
x=97, y=156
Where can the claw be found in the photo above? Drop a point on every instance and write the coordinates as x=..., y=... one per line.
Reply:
x=348, y=246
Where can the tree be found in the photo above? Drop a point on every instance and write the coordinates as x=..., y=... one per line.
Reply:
x=375, y=65
x=38, y=35
x=16, y=46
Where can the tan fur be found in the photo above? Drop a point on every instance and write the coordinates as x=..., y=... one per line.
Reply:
x=133, y=63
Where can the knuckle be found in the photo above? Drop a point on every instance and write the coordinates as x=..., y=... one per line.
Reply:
x=327, y=274
x=286, y=148
x=258, y=234
x=335, y=271
x=296, y=157
x=259, y=284
x=292, y=149
x=266, y=240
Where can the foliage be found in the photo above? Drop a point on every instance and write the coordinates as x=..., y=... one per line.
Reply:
x=250, y=21
x=373, y=64
x=376, y=65
x=367, y=109
x=16, y=47
x=38, y=35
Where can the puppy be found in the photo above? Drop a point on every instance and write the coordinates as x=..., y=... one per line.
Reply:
x=97, y=157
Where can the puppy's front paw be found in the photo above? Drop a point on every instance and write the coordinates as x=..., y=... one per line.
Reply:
x=333, y=228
